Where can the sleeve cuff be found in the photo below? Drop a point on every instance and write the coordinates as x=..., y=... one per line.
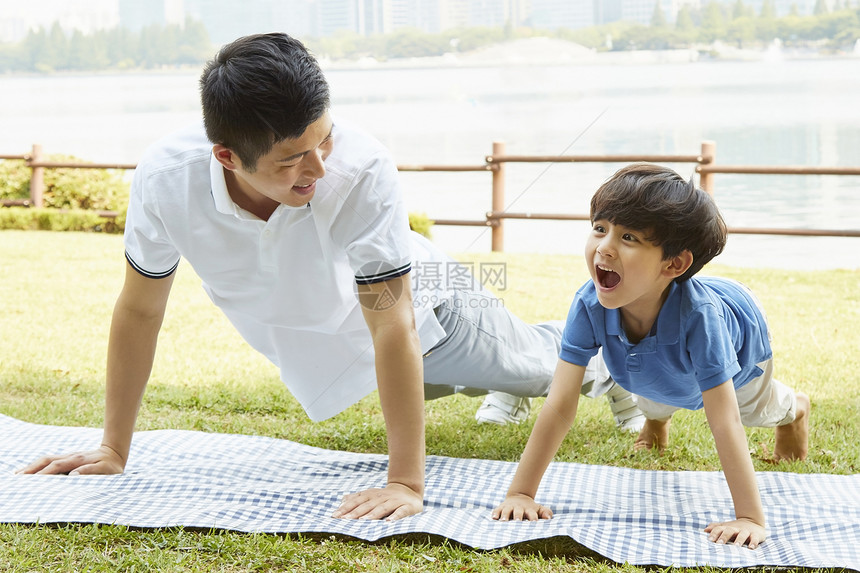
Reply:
x=383, y=273
x=149, y=274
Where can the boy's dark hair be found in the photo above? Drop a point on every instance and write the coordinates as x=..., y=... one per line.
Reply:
x=260, y=90
x=676, y=215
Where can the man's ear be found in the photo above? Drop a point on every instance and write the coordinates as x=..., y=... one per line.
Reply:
x=225, y=157
x=678, y=265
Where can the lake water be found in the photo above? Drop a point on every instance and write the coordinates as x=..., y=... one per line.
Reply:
x=789, y=112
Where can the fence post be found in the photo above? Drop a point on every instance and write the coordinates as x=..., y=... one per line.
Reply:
x=37, y=177
x=498, y=228
x=708, y=156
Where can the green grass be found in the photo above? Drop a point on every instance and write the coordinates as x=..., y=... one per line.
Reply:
x=57, y=292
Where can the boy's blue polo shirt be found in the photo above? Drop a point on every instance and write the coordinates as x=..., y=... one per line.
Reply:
x=708, y=331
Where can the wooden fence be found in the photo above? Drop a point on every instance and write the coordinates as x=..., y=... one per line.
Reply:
x=495, y=163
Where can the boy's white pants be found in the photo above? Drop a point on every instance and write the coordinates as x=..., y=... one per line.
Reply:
x=764, y=402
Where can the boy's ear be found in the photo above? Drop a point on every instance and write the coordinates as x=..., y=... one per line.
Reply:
x=224, y=156
x=678, y=265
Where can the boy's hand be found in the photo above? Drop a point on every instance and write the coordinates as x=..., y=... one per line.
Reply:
x=101, y=461
x=521, y=507
x=741, y=531
x=393, y=502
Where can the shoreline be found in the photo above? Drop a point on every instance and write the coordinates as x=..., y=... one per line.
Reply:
x=537, y=51
x=544, y=51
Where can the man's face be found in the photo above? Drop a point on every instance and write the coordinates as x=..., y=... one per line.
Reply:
x=289, y=172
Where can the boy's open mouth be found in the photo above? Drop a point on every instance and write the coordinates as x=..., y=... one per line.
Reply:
x=606, y=277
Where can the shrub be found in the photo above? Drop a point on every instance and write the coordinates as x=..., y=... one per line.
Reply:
x=46, y=219
x=73, y=196
x=67, y=188
x=420, y=223
x=14, y=179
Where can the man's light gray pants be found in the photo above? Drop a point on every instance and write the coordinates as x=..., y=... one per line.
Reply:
x=487, y=349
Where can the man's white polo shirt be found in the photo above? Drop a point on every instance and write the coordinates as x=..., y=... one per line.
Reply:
x=287, y=284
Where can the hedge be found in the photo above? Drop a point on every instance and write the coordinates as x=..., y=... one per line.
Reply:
x=46, y=219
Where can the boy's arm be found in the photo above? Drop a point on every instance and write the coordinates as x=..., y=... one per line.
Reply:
x=553, y=422
x=400, y=380
x=135, y=324
x=748, y=527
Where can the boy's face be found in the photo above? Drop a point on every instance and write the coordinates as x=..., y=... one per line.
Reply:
x=628, y=270
x=289, y=172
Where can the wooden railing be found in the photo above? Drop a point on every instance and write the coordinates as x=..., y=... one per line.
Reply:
x=495, y=164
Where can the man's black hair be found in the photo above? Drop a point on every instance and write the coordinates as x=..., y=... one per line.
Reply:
x=260, y=90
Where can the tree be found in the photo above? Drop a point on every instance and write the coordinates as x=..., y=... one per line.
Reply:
x=795, y=29
x=156, y=45
x=11, y=58
x=38, y=52
x=159, y=45
x=820, y=7
x=740, y=10
x=57, y=49
x=594, y=37
x=684, y=21
x=121, y=47
x=343, y=44
x=765, y=24
x=87, y=52
x=411, y=43
x=658, y=18
x=849, y=34
x=842, y=28
x=194, y=44
x=741, y=31
x=471, y=38
x=713, y=22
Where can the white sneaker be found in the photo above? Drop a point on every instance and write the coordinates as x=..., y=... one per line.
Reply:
x=627, y=414
x=500, y=408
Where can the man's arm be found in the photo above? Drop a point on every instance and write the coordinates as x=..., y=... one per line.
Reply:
x=554, y=421
x=135, y=324
x=748, y=527
x=400, y=380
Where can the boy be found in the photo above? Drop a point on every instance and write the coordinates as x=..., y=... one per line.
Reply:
x=296, y=227
x=672, y=340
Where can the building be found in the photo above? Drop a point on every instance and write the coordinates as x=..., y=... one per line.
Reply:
x=569, y=14
x=227, y=19
x=17, y=19
x=136, y=15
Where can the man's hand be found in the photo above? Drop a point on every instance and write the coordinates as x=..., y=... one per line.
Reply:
x=739, y=531
x=101, y=461
x=519, y=507
x=393, y=502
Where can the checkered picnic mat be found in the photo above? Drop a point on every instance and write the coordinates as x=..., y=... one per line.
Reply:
x=258, y=484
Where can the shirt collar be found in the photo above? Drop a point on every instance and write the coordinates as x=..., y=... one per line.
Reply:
x=668, y=320
x=223, y=202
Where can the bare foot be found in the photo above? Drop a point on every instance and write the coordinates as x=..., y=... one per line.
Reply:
x=654, y=434
x=792, y=440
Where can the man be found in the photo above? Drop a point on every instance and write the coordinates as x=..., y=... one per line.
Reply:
x=296, y=226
